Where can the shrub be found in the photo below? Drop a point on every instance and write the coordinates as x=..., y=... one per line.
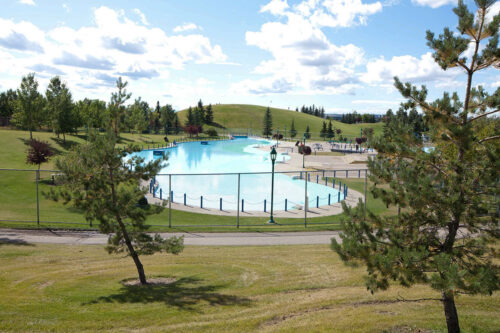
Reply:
x=278, y=136
x=143, y=202
x=212, y=132
x=306, y=150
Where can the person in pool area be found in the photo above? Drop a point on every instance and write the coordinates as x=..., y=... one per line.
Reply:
x=166, y=139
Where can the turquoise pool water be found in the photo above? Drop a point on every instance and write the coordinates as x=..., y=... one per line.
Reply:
x=239, y=155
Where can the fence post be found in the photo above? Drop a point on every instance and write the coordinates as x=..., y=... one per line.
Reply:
x=38, y=200
x=243, y=205
x=238, y=204
x=220, y=203
x=305, y=201
x=161, y=194
x=359, y=173
x=317, y=201
x=317, y=179
x=201, y=201
x=172, y=193
x=329, y=196
x=338, y=200
x=184, y=199
x=265, y=205
x=286, y=203
x=170, y=201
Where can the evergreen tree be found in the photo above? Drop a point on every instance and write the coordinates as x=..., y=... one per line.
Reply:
x=60, y=107
x=209, y=115
x=445, y=233
x=330, y=132
x=190, y=117
x=268, y=123
x=29, y=105
x=177, y=125
x=117, y=104
x=307, y=133
x=201, y=112
x=293, y=131
x=99, y=182
x=323, y=131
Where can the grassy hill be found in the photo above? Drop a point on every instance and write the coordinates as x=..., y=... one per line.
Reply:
x=250, y=117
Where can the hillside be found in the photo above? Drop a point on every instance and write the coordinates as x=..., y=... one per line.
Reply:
x=250, y=117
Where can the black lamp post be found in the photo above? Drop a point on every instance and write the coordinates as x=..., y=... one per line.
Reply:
x=273, y=159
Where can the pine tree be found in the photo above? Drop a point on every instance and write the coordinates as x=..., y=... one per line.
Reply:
x=323, y=131
x=293, y=131
x=330, y=132
x=445, y=233
x=209, y=115
x=190, y=117
x=307, y=133
x=99, y=182
x=201, y=113
x=116, y=106
x=268, y=123
x=29, y=105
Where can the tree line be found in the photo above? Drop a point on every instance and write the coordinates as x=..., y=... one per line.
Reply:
x=27, y=108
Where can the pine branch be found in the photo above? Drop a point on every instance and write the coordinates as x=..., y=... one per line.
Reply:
x=489, y=138
x=402, y=299
x=483, y=115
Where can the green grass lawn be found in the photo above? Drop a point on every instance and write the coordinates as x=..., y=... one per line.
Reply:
x=250, y=117
x=18, y=195
x=217, y=289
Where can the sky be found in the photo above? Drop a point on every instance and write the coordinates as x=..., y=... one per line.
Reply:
x=339, y=54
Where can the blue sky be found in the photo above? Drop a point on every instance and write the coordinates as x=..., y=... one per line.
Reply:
x=340, y=54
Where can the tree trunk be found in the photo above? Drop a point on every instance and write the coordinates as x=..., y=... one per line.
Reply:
x=130, y=246
x=450, y=312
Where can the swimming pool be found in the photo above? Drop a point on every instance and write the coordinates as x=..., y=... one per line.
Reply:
x=233, y=156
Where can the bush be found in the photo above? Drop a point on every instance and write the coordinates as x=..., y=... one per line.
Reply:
x=212, y=132
x=143, y=202
x=306, y=150
x=278, y=136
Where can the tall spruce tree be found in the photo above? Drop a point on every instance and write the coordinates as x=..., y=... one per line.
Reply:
x=330, y=132
x=268, y=123
x=209, y=115
x=445, y=233
x=190, y=117
x=29, y=105
x=98, y=181
x=323, y=131
x=293, y=131
x=307, y=133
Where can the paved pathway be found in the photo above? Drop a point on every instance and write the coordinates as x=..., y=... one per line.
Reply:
x=215, y=239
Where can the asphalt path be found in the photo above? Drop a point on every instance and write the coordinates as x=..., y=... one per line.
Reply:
x=14, y=236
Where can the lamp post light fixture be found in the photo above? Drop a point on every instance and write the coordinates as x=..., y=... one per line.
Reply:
x=273, y=159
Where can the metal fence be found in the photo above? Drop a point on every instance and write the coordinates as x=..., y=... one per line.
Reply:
x=299, y=196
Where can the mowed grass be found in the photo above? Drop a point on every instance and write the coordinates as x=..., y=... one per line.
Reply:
x=18, y=195
x=217, y=289
x=244, y=117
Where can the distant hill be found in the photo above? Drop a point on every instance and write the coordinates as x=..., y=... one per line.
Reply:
x=243, y=118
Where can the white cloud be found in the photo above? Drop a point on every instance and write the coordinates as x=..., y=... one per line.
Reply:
x=187, y=27
x=141, y=15
x=27, y=2
x=275, y=7
x=492, y=11
x=376, y=102
x=433, y=3
x=304, y=60
x=407, y=68
x=91, y=57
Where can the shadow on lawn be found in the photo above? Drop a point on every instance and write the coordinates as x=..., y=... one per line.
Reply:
x=183, y=293
x=10, y=241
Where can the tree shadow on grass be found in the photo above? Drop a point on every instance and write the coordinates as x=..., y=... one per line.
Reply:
x=184, y=294
x=11, y=241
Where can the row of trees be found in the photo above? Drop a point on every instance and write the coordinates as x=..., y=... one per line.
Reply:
x=354, y=118
x=28, y=109
x=312, y=110
x=409, y=117
x=198, y=117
